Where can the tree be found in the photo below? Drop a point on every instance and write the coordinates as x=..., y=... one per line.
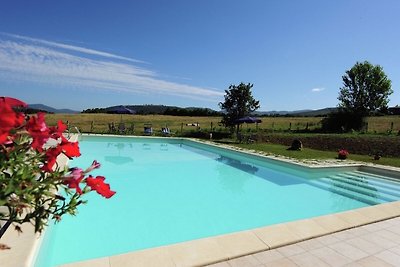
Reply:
x=365, y=89
x=238, y=103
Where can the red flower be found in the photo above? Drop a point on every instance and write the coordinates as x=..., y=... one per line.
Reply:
x=37, y=128
x=9, y=119
x=56, y=132
x=13, y=102
x=342, y=154
x=74, y=180
x=51, y=158
x=99, y=185
x=70, y=149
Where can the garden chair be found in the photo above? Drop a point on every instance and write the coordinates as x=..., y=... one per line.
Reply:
x=240, y=138
x=121, y=128
x=111, y=127
x=148, y=130
x=165, y=131
x=131, y=129
x=251, y=139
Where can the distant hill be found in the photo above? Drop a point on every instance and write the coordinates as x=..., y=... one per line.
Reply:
x=315, y=113
x=299, y=113
x=188, y=111
x=51, y=109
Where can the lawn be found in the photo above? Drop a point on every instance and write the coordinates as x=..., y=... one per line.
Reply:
x=308, y=153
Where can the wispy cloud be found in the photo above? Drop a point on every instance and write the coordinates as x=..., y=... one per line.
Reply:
x=318, y=89
x=41, y=61
x=71, y=47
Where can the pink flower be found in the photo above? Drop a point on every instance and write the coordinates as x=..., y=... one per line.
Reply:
x=74, y=179
x=95, y=165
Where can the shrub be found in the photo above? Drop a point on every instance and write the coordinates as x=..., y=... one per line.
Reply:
x=342, y=121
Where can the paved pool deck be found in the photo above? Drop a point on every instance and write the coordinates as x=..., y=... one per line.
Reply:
x=351, y=238
x=372, y=245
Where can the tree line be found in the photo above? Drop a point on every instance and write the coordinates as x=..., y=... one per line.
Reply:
x=162, y=110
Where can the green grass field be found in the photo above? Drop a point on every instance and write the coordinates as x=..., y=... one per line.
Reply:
x=177, y=123
x=98, y=123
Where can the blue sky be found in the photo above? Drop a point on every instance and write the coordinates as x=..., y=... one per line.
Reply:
x=84, y=54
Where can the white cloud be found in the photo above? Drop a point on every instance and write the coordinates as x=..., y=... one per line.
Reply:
x=41, y=61
x=318, y=89
x=71, y=48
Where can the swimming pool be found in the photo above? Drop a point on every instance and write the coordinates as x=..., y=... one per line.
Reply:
x=172, y=190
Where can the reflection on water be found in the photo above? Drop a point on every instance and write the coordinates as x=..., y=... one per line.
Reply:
x=237, y=180
x=164, y=147
x=118, y=159
x=278, y=178
x=146, y=146
x=119, y=146
x=238, y=164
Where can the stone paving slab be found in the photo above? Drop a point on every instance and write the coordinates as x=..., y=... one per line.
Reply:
x=372, y=245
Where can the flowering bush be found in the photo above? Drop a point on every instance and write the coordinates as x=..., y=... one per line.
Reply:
x=342, y=154
x=33, y=188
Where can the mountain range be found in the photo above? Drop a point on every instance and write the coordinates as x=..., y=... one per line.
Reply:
x=156, y=109
x=51, y=109
x=299, y=113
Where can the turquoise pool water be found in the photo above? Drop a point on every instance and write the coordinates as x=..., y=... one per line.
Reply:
x=169, y=191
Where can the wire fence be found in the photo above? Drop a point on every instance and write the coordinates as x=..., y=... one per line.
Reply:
x=135, y=124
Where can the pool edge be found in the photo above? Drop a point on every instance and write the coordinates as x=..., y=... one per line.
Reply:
x=220, y=248
x=225, y=247
x=212, y=250
x=25, y=246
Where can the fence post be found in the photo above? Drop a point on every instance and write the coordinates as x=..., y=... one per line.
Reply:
x=366, y=127
x=211, y=126
x=307, y=127
x=91, y=126
x=290, y=126
x=391, y=126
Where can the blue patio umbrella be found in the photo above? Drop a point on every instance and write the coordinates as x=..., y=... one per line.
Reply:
x=120, y=110
x=248, y=119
